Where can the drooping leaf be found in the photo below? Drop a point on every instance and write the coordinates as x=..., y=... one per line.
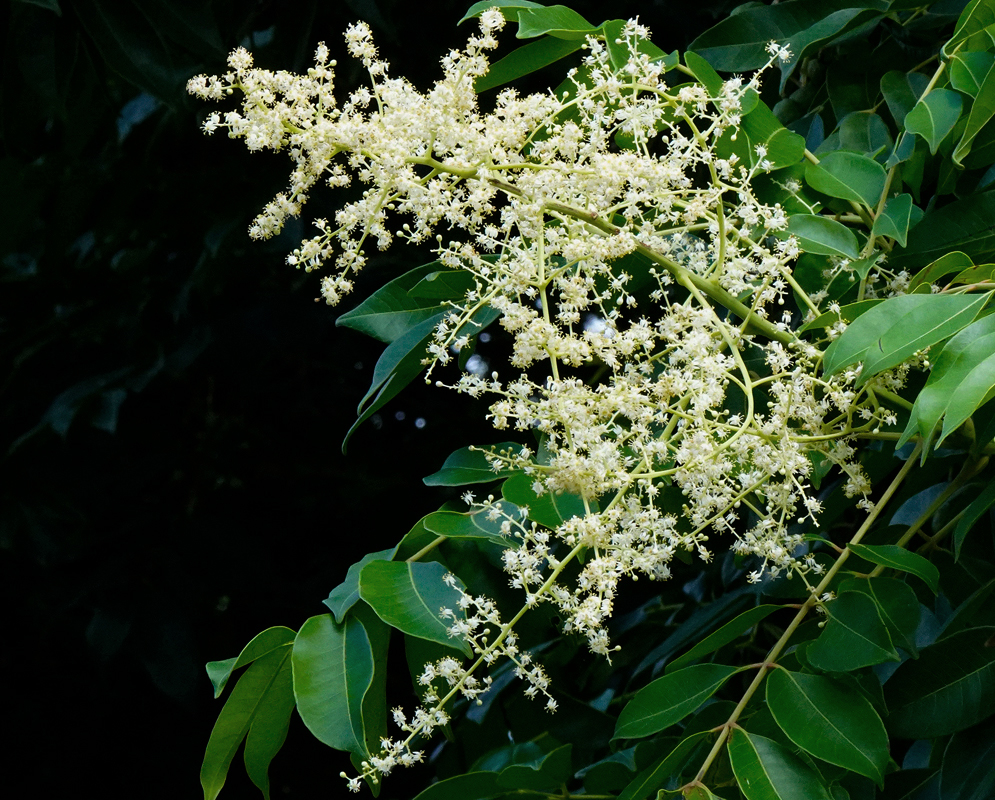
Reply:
x=729, y=632
x=934, y=116
x=823, y=236
x=855, y=636
x=765, y=770
x=830, y=721
x=892, y=331
x=346, y=594
x=949, y=688
x=895, y=557
x=648, y=781
x=262, y=643
x=849, y=176
x=894, y=219
x=896, y=603
x=333, y=669
x=263, y=696
x=410, y=597
x=669, y=699
x=469, y=465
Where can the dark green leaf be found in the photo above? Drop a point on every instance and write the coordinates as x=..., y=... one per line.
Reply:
x=558, y=21
x=468, y=465
x=895, y=557
x=894, y=220
x=550, y=771
x=652, y=778
x=509, y=8
x=982, y=110
x=829, y=721
x=934, y=116
x=949, y=688
x=966, y=771
x=849, y=176
x=525, y=60
x=548, y=509
x=410, y=597
x=976, y=16
x=259, y=698
x=968, y=71
x=964, y=225
x=902, y=91
x=944, y=265
x=847, y=313
x=49, y=5
x=476, y=525
x=729, y=632
x=470, y=786
x=973, y=512
x=333, y=669
x=346, y=594
x=854, y=637
x=262, y=643
x=897, y=604
x=767, y=771
x=823, y=236
x=667, y=700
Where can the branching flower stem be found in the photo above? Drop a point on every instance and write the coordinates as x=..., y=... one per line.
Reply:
x=813, y=600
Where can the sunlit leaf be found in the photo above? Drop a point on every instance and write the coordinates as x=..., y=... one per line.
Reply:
x=976, y=16
x=982, y=110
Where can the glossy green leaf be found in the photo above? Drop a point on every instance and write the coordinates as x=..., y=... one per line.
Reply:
x=765, y=770
x=410, y=597
x=620, y=52
x=982, y=111
x=902, y=91
x=647, y=782
x=469, y=786
x=509, y=8
x=830, y=721
x=976, y=16
x=855, y=636
x=346, y=594
x=823, y=236
x=893, y=222
x=974, y=275
x=897, y=605
x=966, y=770
x=477, y=525
x=729, y=632
x=950, y=687
x=847, y=313
x=560, y=22
x=849, y=176
x=944, y=265
x=468, y=465
x=333, y=669
x=548, y=509
x=964, y=225
x=962, y=377
x=978, y=506
x=667, y=700
x=525, y=60
x=934, y=116
x=894, y=330
x=968, y=70
x=262, y=697
x=895, y=557
x=262, y=643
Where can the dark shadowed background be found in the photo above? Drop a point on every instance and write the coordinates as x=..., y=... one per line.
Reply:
x=172, y=401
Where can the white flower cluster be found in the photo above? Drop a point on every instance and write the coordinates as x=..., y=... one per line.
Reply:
x=566, y=209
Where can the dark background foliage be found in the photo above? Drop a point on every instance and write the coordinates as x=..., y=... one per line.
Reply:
x=172, y=402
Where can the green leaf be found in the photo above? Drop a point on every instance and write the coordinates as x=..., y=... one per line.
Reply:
x=830, y=721
x=262, y=643
x=333, y=669
x=968, y=71
x=902, y=91
x=729, y=632
x=894, y=330
x=509, y=8
x=934, y=116
x=894, y=220
x=765, y=770
x=546, y=773
x=849, y=176
x=964, y=225
x=653, y=777
x=558, y=21
x=966, y=770
x=982, y=110
x=823, y=236
x=896, y=603
x=548, y=509
x=962, y=377
x=847, y=313
x=468, y=465
x=525, y=60
x=973, y=512
x=667, y=700
x=410, y=597
x=262, y=697
x=48, y=5
x=469, y=786
x=854, y=637
x=895, y=557
x=944, y=265
x=475, y=525
x=976, y=16
x=346, y=594
x=949, y=688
